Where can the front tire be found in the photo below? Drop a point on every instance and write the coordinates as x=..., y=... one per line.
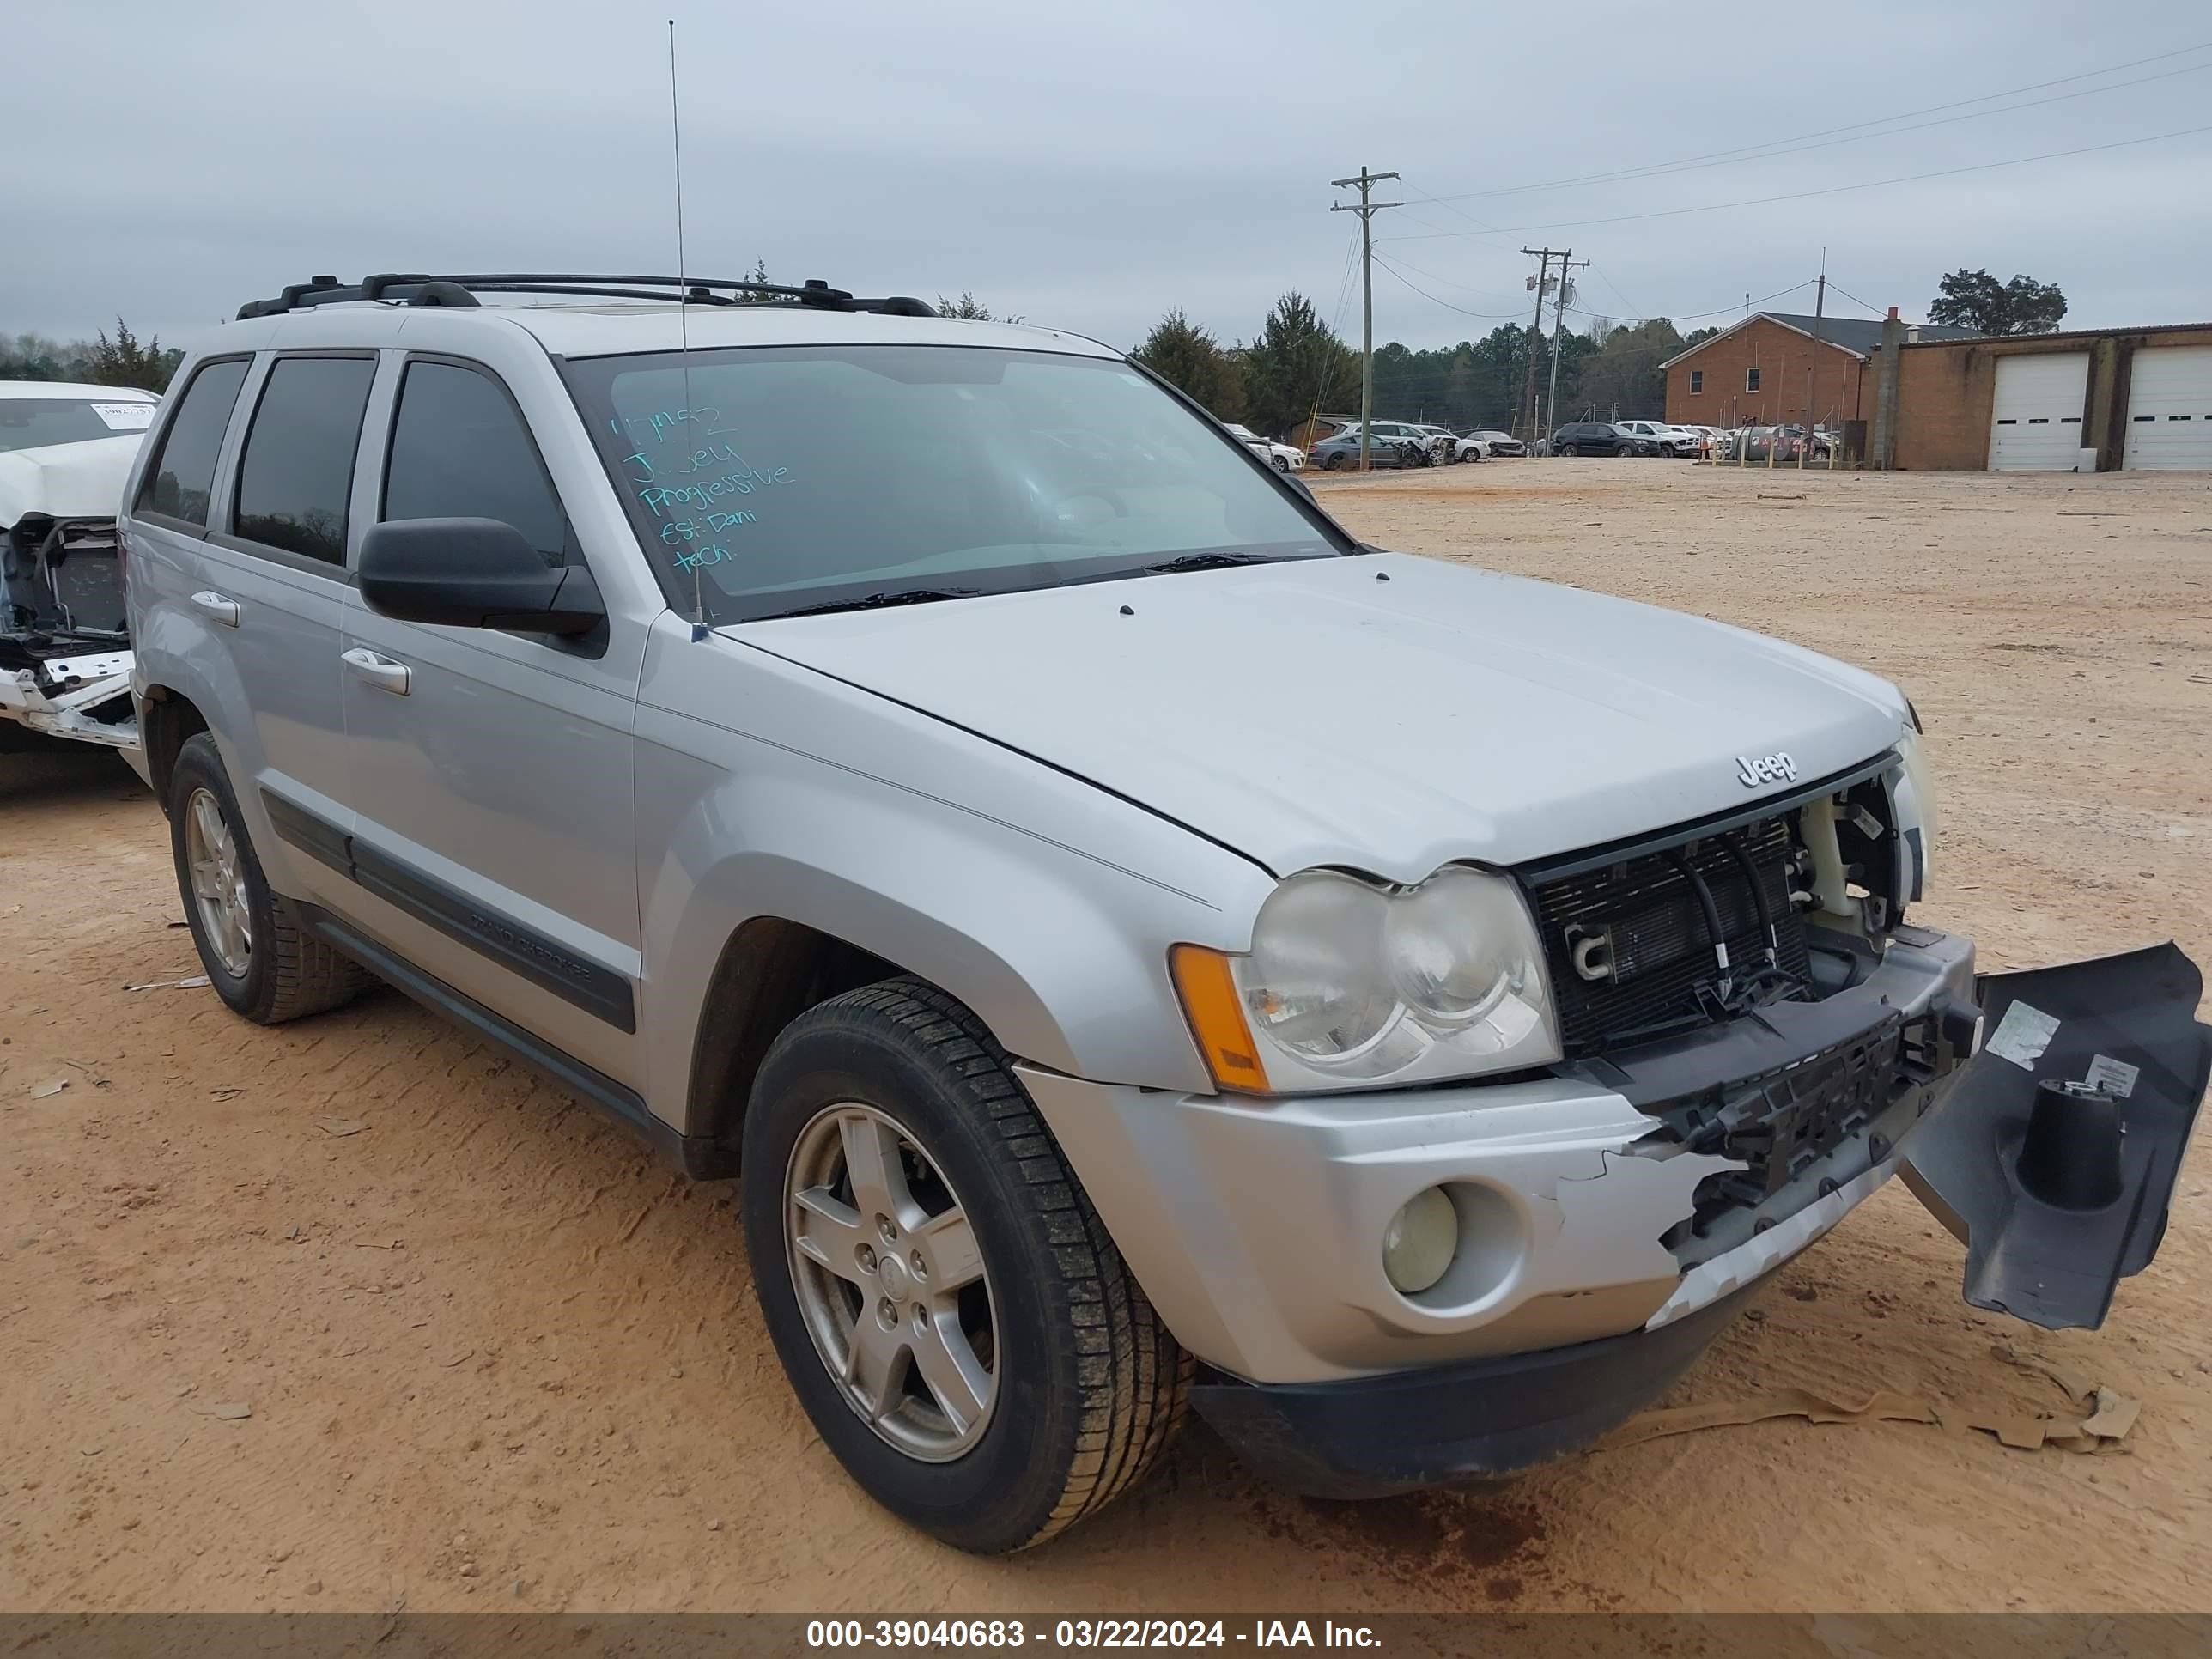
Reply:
x=946, y=1304
x=1282, y=464
x=259, y=960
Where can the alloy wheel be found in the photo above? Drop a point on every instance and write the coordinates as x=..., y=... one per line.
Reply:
x=890, y=1280
x=218, y=884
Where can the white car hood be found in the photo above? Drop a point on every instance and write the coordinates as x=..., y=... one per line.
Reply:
x=1386, y=713
x=66, y=481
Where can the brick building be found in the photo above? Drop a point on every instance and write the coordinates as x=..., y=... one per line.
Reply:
x=2092, y=400
x=1775, y=367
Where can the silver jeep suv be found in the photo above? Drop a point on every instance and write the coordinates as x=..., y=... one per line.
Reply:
x=1136, y=945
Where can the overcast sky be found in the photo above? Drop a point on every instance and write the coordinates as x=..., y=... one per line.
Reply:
x=1091, y=167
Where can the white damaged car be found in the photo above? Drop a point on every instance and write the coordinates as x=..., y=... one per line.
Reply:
x=64, y=656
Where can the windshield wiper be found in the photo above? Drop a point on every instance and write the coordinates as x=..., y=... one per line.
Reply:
x=1206, y=561
x=871, y=601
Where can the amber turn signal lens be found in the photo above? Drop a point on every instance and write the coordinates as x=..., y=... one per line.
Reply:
x=1216, y=1018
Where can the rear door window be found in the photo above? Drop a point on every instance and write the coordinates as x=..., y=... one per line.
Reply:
x=460, y=450
x=296, y=475
x=178, y=483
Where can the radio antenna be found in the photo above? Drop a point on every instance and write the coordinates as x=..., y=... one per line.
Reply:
x=683, y=308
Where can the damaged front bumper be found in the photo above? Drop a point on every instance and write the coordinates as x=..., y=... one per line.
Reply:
x=78, y=691
x=1611, y=1213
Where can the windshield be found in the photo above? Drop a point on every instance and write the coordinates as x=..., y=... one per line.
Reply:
x=34, y=423
x=782, y=479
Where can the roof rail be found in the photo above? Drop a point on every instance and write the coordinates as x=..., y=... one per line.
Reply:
x=419, y=288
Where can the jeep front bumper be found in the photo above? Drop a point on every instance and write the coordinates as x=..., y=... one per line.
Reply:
x=1611, y=1214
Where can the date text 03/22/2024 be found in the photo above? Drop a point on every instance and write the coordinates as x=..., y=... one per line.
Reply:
x=937, y=1633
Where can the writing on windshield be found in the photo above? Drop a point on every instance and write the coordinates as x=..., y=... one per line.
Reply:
x=684, y=461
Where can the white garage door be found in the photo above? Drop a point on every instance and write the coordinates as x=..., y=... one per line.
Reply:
x=2038, y=426
x=2170, y=410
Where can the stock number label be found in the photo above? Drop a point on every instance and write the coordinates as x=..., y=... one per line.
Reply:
x=939, y=1633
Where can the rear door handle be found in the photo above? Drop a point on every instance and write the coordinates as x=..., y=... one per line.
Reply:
x=381, y=672
x=216, y=607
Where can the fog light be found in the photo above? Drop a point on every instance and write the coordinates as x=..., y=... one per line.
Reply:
x=1420, y=1241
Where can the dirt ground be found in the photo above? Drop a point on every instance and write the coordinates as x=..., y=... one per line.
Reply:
x=496, y=1357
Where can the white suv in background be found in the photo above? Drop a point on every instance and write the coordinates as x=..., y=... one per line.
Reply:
x=1284, y=457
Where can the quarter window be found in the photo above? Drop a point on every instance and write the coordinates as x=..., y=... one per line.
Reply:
x=296, y=475
x=460, y=450
x=1751, y=380
x=1697, y=380
x=182, y=476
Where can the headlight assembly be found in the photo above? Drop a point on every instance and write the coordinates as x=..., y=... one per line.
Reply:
x=1915, y=810
x=1350, y=982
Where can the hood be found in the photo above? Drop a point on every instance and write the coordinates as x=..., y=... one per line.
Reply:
x=1387, y=712
x=67, y=480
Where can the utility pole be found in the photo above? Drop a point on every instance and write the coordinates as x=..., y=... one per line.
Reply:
x=1536, y=330
x=1567, y=262
x=1366, y=210
x=1530, y=408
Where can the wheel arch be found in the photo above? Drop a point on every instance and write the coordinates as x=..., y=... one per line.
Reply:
x=771, y=970
x=166, y=719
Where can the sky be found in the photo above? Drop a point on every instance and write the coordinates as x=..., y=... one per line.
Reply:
x=1093, y=167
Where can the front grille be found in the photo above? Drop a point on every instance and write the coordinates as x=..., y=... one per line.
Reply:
x=1651, y=931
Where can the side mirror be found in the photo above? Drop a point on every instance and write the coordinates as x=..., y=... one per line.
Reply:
x=473, y=573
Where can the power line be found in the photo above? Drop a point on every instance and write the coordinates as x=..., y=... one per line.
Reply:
x=1854, y=298
x=1482, y=316
x=1717, y=311
x=1393, y=267
x=1445, y=204
x=1802, y=141
x=1617, y=294
x=1836, y=190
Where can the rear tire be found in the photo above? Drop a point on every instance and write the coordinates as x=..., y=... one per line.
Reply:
x=1067, y=1385
x=256, y=955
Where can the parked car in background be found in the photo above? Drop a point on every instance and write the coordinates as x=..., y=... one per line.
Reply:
x=1600, y=438
x=1335, y=453
x=1666, y=438
x=1497, y=443
x=1284, y=457
x=65, y=654
x=1432, y=443
x=1447, y=448
x=1658, y=437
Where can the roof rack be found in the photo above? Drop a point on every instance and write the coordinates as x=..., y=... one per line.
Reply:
x=418, y=288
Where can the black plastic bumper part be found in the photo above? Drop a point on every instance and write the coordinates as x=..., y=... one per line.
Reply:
x=1370, y=1436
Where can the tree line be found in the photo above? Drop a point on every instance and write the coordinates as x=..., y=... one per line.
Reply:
x=123, y=361
x=1297, y=367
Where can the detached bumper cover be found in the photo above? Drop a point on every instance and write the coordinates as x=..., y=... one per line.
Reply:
x=2059, y=1193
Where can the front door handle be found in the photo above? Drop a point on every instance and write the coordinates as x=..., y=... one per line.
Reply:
x=381, y=672
x=216, y=607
